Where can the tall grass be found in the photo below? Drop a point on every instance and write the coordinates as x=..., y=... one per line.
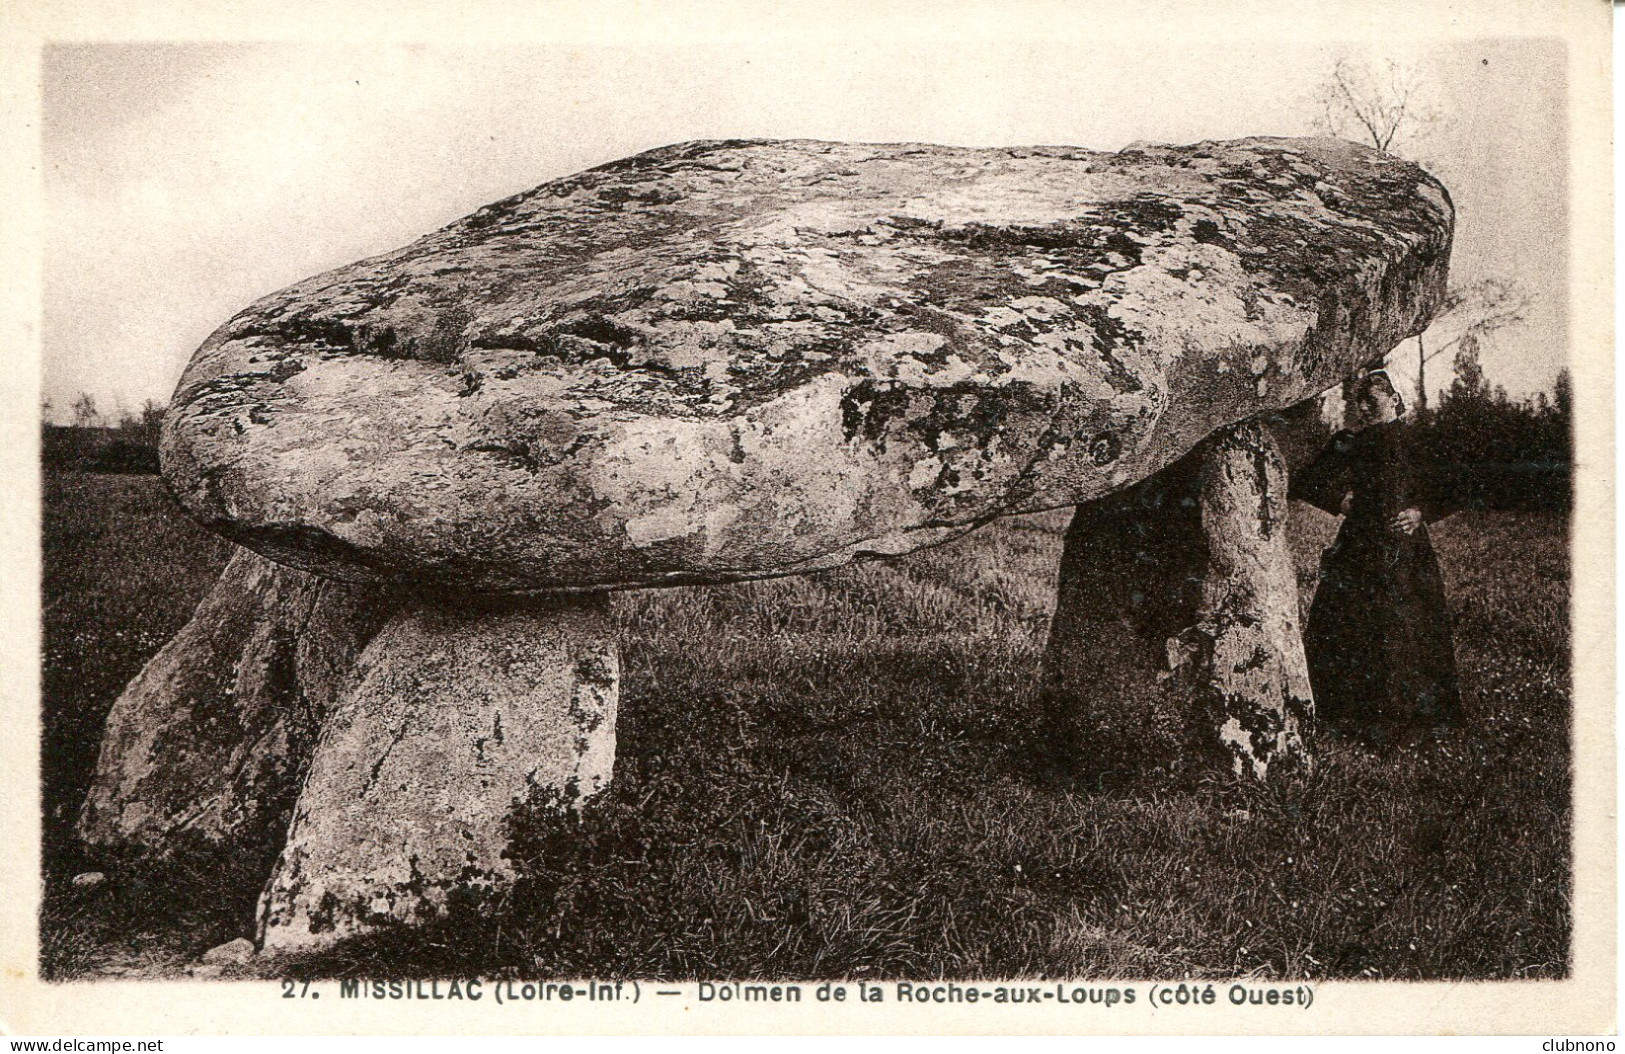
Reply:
x=831, y=776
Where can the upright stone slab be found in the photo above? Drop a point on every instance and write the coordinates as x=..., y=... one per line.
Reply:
x=208, y=745
x=459, y=717
x=1176, y=633
x=1244, y=657
x=1132, y=567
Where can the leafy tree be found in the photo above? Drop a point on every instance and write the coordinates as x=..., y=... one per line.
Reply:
x=1469, y=385
x=143, y=427
x=85, y=414
x=1503, y=453
x=1469, y=314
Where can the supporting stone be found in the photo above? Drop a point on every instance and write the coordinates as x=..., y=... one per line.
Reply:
x=1244, y=657
x=208, y=745
x=458, y=717
x=1131, y=574
x=1176, y=638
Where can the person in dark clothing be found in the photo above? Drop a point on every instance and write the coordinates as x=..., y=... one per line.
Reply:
x=1378, y=638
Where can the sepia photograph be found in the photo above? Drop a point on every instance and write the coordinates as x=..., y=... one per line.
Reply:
x=1023, y=513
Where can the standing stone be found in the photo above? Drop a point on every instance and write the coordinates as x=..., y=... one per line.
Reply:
x=1131, y=575
x=206, y=747
x=459, y=716
x=1176, y=634
x=1244, y=657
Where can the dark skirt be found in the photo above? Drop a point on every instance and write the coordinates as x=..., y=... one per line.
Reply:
x=1378, y=640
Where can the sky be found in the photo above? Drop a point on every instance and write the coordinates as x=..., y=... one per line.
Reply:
x=183, y=181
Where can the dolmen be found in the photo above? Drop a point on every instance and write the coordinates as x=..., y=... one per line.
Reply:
x=722, y=361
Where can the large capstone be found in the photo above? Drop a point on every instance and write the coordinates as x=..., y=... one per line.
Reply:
x=727, y=360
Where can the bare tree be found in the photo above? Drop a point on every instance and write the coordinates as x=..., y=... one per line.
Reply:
x=1377, y=103
x=1373, y=103
x=1469, y=313
x=1474, y=311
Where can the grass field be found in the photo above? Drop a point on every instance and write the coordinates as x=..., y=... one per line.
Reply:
x=831, y=776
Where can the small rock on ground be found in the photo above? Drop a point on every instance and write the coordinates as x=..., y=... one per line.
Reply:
x=240, y=950
x=89, y=880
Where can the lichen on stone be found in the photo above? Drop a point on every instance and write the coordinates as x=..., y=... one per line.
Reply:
x=843, y=348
